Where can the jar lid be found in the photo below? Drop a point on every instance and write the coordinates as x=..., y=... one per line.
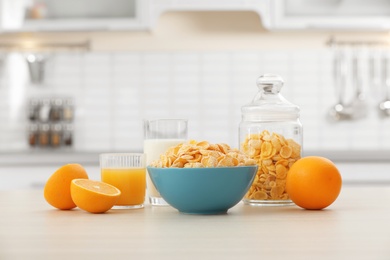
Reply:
x=269, y=104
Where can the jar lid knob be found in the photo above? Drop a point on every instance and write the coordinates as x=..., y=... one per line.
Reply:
x=270, y=83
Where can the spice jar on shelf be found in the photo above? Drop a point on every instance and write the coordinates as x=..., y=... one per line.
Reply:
x=56, y=135
x=68, y=110
x=44, y=110
x=33, y=134
x=56, y=109
x=271, y=133
x=44, y=135
x=68, y=134
x=33, y=110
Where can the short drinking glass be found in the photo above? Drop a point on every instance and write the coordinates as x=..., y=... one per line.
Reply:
x=127, y=172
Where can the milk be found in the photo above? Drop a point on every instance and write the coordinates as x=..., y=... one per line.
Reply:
x=153, y=148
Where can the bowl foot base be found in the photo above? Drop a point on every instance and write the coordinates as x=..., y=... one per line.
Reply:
x=268, y=202
x=211, y=212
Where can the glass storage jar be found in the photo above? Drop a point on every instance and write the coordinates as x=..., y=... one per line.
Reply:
x=271, y=133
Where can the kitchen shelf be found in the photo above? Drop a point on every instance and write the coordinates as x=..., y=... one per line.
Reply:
x=28, y=45
x=49, y=157
x=330, y=15
x=63, y=156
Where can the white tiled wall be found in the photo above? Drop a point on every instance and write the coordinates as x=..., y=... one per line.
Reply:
x=114, y=92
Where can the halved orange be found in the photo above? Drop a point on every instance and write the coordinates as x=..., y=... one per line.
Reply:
x=93, y=196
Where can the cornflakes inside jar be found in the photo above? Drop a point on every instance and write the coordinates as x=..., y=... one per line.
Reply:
x=274, y=155
x=271, y=134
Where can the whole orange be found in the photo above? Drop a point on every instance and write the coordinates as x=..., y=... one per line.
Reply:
x=313, y=182
x=57, y=187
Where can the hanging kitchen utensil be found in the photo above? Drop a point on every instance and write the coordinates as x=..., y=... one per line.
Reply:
x=372, y=73
x=340, y=111
x=384, y=106
x=36, y=66
x=358, y=103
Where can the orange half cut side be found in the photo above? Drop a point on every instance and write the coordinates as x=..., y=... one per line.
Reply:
x=94, y=196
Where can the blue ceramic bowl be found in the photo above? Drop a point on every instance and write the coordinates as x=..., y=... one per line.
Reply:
x=203, y=190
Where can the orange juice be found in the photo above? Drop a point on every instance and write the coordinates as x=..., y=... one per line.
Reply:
x=130, y=181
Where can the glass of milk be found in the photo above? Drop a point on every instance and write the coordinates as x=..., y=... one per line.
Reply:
x=159, y=135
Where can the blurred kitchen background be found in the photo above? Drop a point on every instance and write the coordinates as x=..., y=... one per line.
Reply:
x=77, y=78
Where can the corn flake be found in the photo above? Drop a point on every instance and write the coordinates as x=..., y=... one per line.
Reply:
x=193, y=154
x=275, y=155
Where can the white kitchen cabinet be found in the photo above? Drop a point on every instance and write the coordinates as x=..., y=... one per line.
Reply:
x=72, y=15
x=35, y=176
x=292, y=14
x=261, y=7
x=31, y=170
x=330, y=15
x=101, y=15
x=24, y=177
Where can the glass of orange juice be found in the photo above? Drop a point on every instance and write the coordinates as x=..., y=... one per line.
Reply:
x=127, y=172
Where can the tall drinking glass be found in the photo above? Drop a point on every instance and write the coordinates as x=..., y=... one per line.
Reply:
x=159, y=135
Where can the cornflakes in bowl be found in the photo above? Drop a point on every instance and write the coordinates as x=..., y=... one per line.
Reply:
x=203, y=178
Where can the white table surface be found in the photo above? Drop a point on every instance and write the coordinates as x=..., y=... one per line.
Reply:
x=356, y=226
